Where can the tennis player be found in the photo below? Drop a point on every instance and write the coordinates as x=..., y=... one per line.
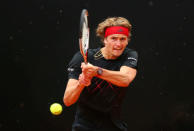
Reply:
x=100, y=86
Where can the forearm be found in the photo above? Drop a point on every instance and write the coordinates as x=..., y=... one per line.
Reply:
x=121, y=78
x=72, y=93
x=115, y=77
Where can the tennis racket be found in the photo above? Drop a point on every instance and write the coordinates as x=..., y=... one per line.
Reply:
x=84, y=35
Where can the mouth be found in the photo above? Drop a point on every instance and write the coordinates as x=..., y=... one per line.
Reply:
x=117, y=48
x=120, y=49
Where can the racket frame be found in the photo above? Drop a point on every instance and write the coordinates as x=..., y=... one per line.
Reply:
x=84, y=20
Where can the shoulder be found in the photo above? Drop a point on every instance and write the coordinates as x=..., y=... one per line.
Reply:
x=77, y=58
x=77, y=54
x=130, y=58
x=93, y=51
x=130, y=53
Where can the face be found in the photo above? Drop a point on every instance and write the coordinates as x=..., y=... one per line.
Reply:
x=115, y=45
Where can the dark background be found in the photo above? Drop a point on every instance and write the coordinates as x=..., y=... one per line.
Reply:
x=39, y=37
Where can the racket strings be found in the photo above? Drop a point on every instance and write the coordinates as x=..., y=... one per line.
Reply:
x=84, y=34
x=85, y=37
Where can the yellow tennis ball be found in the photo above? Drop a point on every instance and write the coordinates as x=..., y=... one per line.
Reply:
x=56, y=109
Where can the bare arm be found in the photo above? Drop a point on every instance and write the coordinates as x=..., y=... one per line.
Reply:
x=74, y=88
x=120, y=78
x=72, y=92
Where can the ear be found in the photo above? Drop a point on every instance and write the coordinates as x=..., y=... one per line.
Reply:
x=105, y=41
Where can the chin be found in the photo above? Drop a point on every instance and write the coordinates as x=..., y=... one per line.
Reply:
x=118, y=53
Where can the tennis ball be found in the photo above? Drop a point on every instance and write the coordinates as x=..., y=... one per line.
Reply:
x=56, y=109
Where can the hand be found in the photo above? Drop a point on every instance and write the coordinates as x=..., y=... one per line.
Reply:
x=83, y=80
x=89, y=70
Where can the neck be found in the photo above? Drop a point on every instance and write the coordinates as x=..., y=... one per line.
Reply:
x=106, y=54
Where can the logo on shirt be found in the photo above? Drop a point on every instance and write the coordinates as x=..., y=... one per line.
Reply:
x=131, y=58
x=70, y=69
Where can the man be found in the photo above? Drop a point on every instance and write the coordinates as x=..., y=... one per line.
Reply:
x=99, y=86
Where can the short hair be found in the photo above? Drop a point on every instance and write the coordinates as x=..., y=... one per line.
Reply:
x=112, y=21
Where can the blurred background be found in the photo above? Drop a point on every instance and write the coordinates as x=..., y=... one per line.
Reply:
x=39, y=38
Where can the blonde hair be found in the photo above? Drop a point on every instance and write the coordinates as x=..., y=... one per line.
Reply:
x=112, y=21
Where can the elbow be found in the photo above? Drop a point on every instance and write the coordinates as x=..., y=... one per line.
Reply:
x=66, y=102
x=123, y=84
x=128, y=80
x=126, y=83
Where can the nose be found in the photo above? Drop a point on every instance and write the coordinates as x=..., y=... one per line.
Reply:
x=118, y=43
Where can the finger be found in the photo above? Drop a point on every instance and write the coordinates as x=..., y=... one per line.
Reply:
x=90, y=72
x=87, y=74
x=85, y=82
x=82, y=64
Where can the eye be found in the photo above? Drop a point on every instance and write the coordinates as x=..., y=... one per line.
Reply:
x=123, y=39
x=113, y=38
